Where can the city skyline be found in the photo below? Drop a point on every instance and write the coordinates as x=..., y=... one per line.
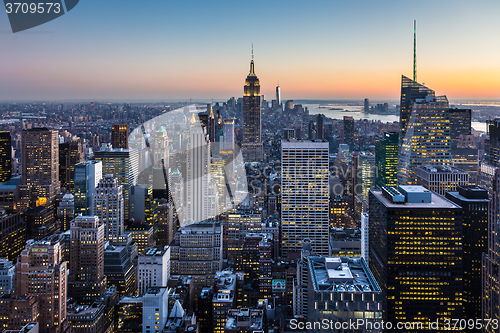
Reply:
x=201, y=50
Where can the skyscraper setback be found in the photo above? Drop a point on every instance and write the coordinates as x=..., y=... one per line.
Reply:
x=252, y=136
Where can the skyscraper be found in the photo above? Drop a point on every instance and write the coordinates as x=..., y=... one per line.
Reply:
x=417, y=260
x=119, y=136
x=366, y=174
x=40, y=167
x=123, y=165
x=492, y=144
x=349, y=131
x=252, y=137
x=367, y=105
x=86, y=280
x=386, y=159
x=198, y=203
x=304, y=195
x=70, y=153
x=460, y=124
x=425, y=130
x=278, y=95
x=40, y=271
x=320, y=127
x=474, y=202
x=87, y=177
x=5, y=156
x=108, y=206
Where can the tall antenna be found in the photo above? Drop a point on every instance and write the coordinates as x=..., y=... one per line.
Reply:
x=252, y=51
x=415, y=51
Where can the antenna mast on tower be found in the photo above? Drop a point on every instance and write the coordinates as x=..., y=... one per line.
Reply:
x=415, y=50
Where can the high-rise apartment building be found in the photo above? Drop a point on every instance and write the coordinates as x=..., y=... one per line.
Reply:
x=41, y=272
x=304, y=195
x=417, y=261
x=474, y=202
x=87, y=177
x=252, y=124
x=109, y=207
x=86, y=280
x=122, y=164
x=386, y=159
x=119, y=136
x=425, y=130
x=349, y=131
x=5, y=156
x=40, y=167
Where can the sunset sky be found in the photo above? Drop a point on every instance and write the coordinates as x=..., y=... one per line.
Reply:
x=164, y=49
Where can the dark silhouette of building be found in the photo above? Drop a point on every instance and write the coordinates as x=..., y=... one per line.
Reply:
x=119, y=136
x=349, y=131
x=418, y=237
x=474, y=202
x=460, y=124
x=5, y=156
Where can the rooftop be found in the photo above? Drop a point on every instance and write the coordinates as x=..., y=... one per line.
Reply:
x=341, y=275
x=431, y=200
x=440, y=169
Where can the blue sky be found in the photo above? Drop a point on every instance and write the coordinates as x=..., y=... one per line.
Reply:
x=200, y=49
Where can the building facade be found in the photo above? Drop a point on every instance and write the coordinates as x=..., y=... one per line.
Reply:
x=304, y=195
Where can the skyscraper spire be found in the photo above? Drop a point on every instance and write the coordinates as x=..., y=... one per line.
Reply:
x=414, y=51
x=252, y=51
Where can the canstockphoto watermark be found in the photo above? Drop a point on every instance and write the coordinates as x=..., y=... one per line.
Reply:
x=354, y=324
x=27, y=14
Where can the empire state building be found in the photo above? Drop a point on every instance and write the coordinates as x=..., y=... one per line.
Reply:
x=252, y=142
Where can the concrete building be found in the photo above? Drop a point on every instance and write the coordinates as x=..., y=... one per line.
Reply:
x=109, y=206
x=87, y=177
x=66, y=211
x=40, y=168
x=153, y=269
x=441, y=178
x=339, y=288
x=86, y=281
x=155, y=309
x=123, y=165
x=304, y=195
x=197, y=251
x=224, y=299
x=41, y=272
x=7, y=276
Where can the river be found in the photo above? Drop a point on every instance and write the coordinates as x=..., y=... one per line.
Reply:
x=356, y=112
